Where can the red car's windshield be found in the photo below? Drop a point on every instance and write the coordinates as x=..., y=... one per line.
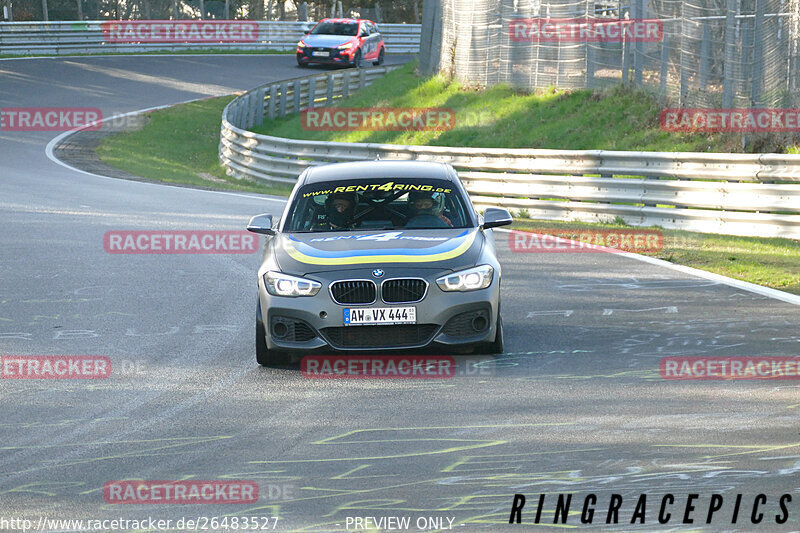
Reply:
x=336, y=28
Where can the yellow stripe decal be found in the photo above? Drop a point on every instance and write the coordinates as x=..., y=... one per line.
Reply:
x=369, y=259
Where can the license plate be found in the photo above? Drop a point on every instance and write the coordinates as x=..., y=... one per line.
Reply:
x=319, y=53
x=380, y=316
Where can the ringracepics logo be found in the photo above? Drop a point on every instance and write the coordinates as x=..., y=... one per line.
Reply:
x=558, y=240
x=581, y=30
x=180, y=242
x=730, y=368
x=180, y=492
x=377, y=119
x=50, y=118
x=55, y=367
x=672, y=509
x=730, y=120
x=182, y=31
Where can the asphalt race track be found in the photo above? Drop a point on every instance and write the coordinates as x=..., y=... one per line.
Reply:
x=576, y=405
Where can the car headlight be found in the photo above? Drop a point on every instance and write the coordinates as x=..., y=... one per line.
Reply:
x=471, y=279
x=345, y=46
x=301, y=44
x=279, y=284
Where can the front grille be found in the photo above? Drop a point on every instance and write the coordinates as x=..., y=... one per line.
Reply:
x=290, y=330
x=333, y=52
x=353, y=292
x=463, y=325
x=396, y=336
x=406, y=290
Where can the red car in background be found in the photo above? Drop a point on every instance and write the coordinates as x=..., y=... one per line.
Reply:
x=340, y=41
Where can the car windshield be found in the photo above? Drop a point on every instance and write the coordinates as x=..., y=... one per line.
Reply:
x=378, y=204
x=336, y=28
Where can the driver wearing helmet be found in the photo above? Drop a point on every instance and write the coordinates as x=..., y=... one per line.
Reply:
x=424, y=203
x=339, y=210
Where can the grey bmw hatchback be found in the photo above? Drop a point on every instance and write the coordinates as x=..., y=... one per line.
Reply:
x=378, y=256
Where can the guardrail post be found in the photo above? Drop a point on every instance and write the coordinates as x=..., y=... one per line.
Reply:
x=249, y=110
x=730, y=54
x=273, y=93
x=362, y=78
x=296, y=85
x=329, y=93
x=346, y=85
x=312, y=92
x=282, y=109
x=237, y=114
x=260, y=106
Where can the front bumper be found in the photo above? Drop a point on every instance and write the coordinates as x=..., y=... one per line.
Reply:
x=336, y=56
x=444, y=319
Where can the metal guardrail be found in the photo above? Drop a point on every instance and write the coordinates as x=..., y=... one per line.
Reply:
x=739, y=194
x=61, y=38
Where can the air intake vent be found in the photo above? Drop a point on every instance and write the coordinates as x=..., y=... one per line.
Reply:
x=405, y=290
x=396, y=336
x=361, y=291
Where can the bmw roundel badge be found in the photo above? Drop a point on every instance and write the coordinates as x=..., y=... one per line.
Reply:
x=377, y=272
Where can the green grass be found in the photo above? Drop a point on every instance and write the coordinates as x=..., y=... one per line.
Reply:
x=179, y=145
x=500, y=117
x=771, y=262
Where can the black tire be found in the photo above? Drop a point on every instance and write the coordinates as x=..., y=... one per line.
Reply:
x=380, y=59
x=497, y=346
x=357, y=61
x=265, y=356
x=302, y=65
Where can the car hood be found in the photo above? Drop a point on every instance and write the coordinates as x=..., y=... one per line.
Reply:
x=325, y=41
x=448, y=249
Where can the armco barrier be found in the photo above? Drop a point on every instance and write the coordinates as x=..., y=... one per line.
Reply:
x=61, y=38
x=739, y=194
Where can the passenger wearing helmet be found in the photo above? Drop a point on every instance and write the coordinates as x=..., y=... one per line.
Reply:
x=339, y=209
x=424, y=203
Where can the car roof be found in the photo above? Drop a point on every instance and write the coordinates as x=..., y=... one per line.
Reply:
x=377, y=169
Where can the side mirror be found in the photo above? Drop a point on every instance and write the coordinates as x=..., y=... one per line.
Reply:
x=261, y=224
x=496, y=216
